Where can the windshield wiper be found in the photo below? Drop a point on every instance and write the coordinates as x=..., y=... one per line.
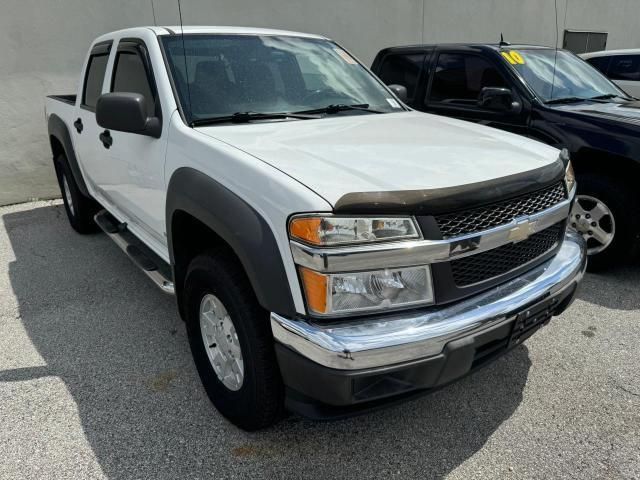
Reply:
x=598, y=99
x=566, y=100
x=341, y=107
x=609, y=96
x=245, y=117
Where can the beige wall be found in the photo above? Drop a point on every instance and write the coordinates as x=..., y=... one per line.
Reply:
x=42, y=45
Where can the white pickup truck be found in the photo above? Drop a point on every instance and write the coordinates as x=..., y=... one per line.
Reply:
x=330, y=249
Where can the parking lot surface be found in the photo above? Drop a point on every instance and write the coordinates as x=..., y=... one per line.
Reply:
x=96, y=381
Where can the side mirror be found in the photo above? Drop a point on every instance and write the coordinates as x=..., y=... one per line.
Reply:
x=399, y=90
x=498, y=99
x=126, y=112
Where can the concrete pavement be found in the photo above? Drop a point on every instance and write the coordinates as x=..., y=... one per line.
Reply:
x=96, y=381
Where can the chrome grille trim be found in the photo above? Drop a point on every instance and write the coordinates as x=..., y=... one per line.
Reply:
x=486, y=266
x=482, y=218
x=420, y=252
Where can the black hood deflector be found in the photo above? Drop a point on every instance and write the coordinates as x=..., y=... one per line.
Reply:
x=450, y=199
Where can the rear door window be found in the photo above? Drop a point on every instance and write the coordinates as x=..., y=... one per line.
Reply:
x=402, y=69
x=459, y=78
x=625, y=67
x=96, y=68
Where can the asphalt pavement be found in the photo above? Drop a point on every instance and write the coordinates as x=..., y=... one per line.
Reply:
x=97, y=381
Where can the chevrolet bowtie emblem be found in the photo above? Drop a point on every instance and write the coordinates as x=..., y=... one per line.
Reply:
x=523, y=230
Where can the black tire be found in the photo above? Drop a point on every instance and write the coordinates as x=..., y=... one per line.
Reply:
x=80, y=209
x=622, y=201
x=259, y=402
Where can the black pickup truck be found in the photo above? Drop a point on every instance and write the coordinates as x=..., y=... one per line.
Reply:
x=549, y=95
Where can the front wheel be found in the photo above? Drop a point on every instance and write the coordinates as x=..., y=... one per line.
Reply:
x=231, y=342
x=605, y=213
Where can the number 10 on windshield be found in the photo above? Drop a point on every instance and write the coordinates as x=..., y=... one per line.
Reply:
x=513, y=57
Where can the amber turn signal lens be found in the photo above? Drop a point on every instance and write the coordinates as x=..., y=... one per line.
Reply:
x=306, y=229
x=315, y=289
x=329, y=230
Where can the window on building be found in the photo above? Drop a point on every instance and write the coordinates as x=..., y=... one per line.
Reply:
x=582, y=42
x=130, y=75
x=460, y=77
x=625, y=67
x=93, y=80
x=402, y=69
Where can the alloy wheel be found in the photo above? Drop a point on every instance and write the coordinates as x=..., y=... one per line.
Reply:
x=594, y=221
x=221, y=342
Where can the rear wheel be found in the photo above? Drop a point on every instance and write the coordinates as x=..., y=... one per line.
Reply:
x=605, y=213
x=232, y=343
x=80, y=209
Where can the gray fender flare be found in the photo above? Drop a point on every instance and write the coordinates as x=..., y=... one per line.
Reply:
x=240, y=226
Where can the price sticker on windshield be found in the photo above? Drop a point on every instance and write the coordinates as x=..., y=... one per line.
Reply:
x=345, y=56
x=393, y=103
x=513, y=57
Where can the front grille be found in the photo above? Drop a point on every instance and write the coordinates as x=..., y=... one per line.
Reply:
x=483, y=218
x=487, y=265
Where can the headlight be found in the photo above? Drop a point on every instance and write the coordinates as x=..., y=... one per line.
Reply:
x=343, y=293
x=569, y=175
x=328, y=231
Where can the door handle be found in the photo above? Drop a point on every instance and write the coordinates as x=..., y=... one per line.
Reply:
x=105, y=138
x=78, y=125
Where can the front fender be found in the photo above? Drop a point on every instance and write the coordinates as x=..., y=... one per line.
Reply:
x=240, y=226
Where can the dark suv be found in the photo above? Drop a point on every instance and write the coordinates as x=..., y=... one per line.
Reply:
x=549, y=95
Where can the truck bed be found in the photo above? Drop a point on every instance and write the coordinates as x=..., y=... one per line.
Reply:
x=70, y=99
x=62, y=106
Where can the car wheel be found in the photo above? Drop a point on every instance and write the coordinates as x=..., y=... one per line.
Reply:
x=231, y=342
x=80, y=209
x=605, y=213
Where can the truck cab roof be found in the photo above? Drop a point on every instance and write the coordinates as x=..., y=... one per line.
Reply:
x=204, y=30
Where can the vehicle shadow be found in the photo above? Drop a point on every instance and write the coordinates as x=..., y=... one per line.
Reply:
x=120, y=348
x=616, y=289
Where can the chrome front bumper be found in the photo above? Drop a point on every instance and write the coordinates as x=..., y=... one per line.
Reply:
x=399, y=338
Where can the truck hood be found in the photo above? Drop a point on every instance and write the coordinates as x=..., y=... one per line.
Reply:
x=622, y=112
x=407, y=151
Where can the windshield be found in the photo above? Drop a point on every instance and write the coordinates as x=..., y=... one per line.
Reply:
x=226, y=74
x=574, y=78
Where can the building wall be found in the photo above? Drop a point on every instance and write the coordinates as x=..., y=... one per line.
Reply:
x=44, y=43
x=42, y=47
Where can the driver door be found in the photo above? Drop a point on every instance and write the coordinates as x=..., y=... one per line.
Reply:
x=139, y=194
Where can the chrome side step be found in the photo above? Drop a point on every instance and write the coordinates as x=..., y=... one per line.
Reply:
x=151, y=264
